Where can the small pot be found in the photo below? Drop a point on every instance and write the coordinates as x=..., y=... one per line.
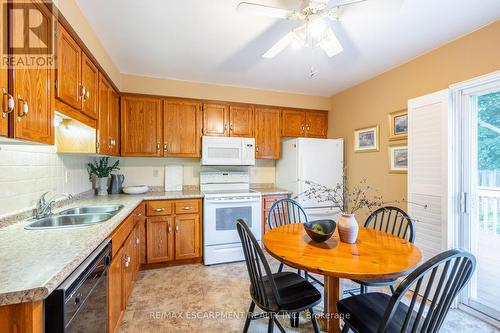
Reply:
x=102, y=186
x=348, y=228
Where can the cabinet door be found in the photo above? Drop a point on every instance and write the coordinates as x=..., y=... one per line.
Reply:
x=33, y=117
x=182, y=126
x=4, y=82
x=187, y=236
x=241, y=120
x=294, y=123
x=114, y=122
x=215, y=120
x=160, y=239
x=115, y=297
x=90, y=83
x=104, y=144
x=141, y=126
x=141, y=225
x=129, y=266
x=69, y=61
x=317, y=124
x=267, y=133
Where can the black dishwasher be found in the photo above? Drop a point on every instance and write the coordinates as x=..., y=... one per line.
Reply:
x=80, y=303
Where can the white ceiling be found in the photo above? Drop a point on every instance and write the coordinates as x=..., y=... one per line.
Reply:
x=210, y=41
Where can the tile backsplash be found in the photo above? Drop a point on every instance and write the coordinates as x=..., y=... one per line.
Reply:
x=27, y=171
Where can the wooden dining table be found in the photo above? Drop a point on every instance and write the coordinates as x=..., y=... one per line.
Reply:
x=375, y=255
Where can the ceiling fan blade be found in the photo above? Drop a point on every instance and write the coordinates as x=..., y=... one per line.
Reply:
x=330, y=44
x=279, y=46
x=254, y=8
x=348, y=3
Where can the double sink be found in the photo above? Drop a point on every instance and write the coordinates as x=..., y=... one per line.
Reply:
x=76, y=217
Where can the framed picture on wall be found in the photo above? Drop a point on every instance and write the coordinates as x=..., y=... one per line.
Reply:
x=398, y=158
x=366, y=139
x=398, y=125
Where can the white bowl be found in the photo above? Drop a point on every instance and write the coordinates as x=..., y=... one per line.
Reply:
x=135, y=189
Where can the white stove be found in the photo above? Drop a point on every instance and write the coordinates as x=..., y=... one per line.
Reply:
x=227, y=198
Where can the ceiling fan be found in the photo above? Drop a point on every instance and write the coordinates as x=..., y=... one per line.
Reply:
x=313, y=33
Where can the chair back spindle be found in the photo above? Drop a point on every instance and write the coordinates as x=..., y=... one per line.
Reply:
x=286, y=211
x=258, y=268
x=435, y=285
x=392, y=220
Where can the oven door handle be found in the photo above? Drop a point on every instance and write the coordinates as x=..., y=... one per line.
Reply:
x=211, y=201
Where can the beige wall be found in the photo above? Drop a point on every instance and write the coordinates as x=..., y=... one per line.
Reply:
x=370, y=102
x=164, y=87
x=72, y=12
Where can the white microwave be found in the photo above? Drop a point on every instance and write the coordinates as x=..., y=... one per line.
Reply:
x=227, y=151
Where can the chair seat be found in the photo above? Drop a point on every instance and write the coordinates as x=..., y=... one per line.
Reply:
x=365, y=312
x=296, y=293
x=376, y=283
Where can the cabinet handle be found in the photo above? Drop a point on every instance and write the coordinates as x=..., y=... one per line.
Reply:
x=159, y=209
x=257, y=149
x=231, y=127
x=139, y=214
x=225, y=127
x=9, y=106
x=158, y=146
x=169, y=228
x=165, y=147
x=83, y=92
x=24, y=107
x=137, y=241
x=308, y=128
x=187, y=208
x=176, y=227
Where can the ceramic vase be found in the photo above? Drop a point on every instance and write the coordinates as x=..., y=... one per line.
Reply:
x=348, y=228
x=102, y=186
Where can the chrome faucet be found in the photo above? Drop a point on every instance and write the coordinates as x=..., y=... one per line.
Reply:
x=44, y=207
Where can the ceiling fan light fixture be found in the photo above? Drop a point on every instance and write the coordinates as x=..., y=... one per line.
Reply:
x=330, y=44
x=316, y=26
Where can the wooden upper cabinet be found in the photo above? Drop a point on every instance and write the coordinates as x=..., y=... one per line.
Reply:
x=187, y=236
x=103, y=131
x=160, y=239
x=114, y=122
x=294, y=123
x=317, y=124
x=182, y=128
x=141, y=126
x=215, y=119
x=33, y=116
x=4, y=82
x=241, y=119
x=90, y=86
x=267, y=133
x=69, y=60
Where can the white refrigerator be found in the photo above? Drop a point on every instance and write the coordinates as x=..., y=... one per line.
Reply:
x=317, y=160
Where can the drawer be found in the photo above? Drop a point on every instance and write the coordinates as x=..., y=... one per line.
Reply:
x=158, y=208
x=187, y=206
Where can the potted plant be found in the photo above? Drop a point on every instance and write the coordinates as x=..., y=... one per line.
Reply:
x=348, y=200
x=101, y=171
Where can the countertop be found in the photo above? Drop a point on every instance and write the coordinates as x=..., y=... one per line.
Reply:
x=34, y=262
x=271, y=191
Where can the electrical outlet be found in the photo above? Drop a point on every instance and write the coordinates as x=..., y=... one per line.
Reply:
x=155, y=172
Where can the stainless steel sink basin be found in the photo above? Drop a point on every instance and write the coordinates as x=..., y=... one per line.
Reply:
x=68, y=221
x=110, y=209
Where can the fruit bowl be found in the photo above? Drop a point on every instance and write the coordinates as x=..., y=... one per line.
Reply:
x=320, y=230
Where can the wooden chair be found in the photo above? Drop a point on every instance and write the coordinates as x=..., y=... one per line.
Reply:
x=392, y=220
x=278, y=293
x=435, y=284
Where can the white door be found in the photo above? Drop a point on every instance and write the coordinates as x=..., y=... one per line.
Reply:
x=479, y=232
x=429, y=150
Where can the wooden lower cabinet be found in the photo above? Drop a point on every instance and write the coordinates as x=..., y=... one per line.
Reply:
x=173, y=230
x=160, y=239
x=187, y=236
